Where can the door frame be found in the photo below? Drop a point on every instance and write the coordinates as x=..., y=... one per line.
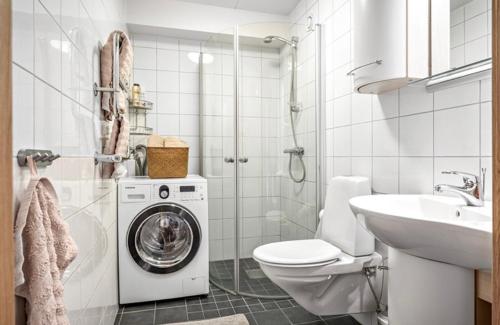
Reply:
x=496, y=160
x=6, y=219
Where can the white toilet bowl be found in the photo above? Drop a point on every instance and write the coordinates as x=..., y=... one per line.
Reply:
x=324, y=283
x=325, y=275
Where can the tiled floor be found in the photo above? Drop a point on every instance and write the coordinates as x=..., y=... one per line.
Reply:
x=218, y=303
x=252, y=279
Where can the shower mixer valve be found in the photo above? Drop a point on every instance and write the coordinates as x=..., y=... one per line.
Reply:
x=298, y=151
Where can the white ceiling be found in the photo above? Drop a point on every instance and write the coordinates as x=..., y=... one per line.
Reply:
x=277, y=7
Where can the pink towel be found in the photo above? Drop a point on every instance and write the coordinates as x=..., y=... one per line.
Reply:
x=116, y=141
x=44, y=249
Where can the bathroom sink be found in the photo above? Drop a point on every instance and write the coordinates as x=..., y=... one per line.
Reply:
x=438, y=228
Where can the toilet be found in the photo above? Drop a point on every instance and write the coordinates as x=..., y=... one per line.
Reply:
x=324, y=275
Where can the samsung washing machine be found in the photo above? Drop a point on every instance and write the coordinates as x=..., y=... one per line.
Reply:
x=162, y=238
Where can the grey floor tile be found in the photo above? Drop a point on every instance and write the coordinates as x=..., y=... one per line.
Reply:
x=284, y=303
x=138, y=318
x=271, y=317
x=211, y=306
x=171, y=315
x=211, y=314
x=139, y=307
x=341, y=320
x=193, y=308
x=226, y=311
x=196, y=316
x=271, y=305
x=256, y=308
x=299, y=315
x=170, y=303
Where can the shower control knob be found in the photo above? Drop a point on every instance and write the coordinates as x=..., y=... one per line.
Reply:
x=164, y=192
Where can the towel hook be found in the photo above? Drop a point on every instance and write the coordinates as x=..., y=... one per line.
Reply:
x=42, y=158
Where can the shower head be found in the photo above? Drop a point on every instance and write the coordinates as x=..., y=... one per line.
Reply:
x=270, y=38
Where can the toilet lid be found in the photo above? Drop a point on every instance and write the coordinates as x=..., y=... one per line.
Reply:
x=295, y=252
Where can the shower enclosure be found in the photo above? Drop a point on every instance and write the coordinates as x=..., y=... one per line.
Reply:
x=259, y=146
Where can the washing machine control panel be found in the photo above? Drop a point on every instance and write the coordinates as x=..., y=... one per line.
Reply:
x=187, y=192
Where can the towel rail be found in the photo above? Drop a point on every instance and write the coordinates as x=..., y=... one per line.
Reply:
x=117, y=84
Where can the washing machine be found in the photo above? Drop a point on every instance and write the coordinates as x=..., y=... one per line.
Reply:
x=162, y=238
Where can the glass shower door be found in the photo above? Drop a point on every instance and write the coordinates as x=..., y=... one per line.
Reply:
x=217, y=152
x=245, y=86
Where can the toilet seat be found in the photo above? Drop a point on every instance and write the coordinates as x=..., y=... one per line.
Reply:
x=297, y=253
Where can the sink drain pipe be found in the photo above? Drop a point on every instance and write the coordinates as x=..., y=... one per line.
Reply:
x=369, y=273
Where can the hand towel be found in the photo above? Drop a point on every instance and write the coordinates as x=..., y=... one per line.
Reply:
x=44, y=249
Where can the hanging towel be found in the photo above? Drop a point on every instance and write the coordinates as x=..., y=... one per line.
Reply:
x=126, y=59
x=115, y=130
x=44, y=249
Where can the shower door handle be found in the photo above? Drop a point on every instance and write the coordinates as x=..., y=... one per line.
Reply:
x=243, y=160
x=229, y=160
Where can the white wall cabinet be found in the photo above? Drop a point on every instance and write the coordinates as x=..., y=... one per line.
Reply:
x=390, y=43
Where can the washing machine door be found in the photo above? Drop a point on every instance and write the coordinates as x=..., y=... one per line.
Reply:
x=164, y=238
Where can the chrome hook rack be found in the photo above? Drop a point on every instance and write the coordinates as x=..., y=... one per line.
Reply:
x=98, y=158
x=42, y=158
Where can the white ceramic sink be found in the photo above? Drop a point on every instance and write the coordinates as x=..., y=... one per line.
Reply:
x=438, y=228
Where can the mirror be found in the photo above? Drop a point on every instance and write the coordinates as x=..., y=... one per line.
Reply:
x=461, y=33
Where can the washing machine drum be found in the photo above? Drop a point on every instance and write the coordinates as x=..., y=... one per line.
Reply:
x=164, y=238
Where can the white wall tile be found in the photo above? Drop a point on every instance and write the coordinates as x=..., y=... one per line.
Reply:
x=22, y=112
x=146, y=78
x=189, y=83
x=361, y=108
x=385, y=105
x=385, y=137
x=416, y=175
x=167, y=60
x=362, y=139
x=342, y=111
x=415, y=100
x=47, y=117
x=341, y=143
x=416, y=135
x=168, y=124
x=22, y=33
x=486, y=133
x=167, y=103
x=168, y=81
x=385, y=174
x=189, y=61
x=457, y=131
x=144, y=58
x=457, y=96
x=476, y=27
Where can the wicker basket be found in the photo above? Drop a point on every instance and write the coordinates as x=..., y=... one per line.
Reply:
x=167, y=157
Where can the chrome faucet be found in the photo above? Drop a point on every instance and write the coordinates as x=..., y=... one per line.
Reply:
x=472, y=191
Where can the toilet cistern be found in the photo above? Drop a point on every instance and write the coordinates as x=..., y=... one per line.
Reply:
x=472, y=191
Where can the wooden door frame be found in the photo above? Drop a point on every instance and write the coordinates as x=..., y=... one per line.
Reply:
x=496, y=160
x=6, y=239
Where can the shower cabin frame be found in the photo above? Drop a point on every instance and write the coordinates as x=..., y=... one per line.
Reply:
x=240, y=159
